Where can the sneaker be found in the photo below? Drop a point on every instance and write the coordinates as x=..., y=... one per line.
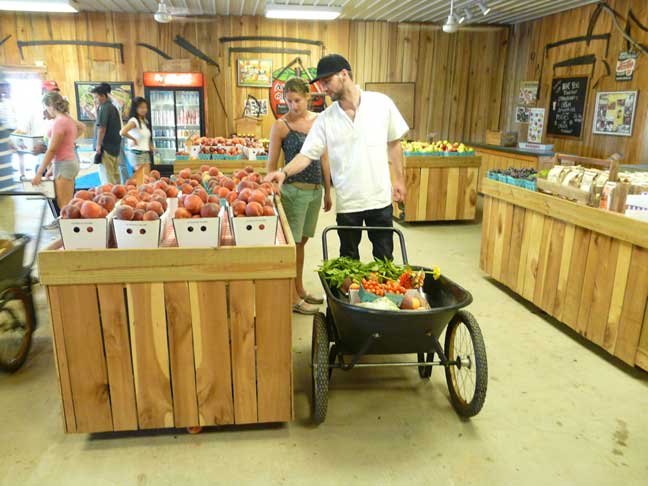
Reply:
x=54, y=225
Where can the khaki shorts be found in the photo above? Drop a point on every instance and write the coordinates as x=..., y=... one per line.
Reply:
x=66, y=169
x=302, y=207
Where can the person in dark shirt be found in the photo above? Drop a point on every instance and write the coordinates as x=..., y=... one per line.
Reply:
x=107, y=137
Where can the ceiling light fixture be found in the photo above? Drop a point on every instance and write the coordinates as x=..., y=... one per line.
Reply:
x=459, y=18
x=451, y=24
x=55, y=6
x=483, y=7
x=162, y=15
x=299, y=12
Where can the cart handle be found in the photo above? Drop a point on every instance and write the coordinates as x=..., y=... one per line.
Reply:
x=364, y=228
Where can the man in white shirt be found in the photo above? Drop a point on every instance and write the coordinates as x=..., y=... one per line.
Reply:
x=361, y=131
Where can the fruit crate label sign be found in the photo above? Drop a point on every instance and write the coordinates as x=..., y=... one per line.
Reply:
x=280, y=76
x=626, y=65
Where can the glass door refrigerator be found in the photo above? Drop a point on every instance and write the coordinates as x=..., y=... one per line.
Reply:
x=177, y=110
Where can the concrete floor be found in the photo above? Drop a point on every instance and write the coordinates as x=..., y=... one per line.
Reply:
x=558, y=411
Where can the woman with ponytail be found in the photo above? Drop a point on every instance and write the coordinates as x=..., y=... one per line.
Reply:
x=60, y=151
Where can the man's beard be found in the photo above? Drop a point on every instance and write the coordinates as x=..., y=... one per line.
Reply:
x=336, y=96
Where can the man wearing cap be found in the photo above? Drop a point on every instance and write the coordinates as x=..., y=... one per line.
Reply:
x=107, y=137
x=361, y=131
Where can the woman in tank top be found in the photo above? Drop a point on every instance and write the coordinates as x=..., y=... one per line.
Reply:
x=137, y=131
x=301, y=194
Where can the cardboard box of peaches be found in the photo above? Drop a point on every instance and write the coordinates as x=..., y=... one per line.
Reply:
x=188, y=210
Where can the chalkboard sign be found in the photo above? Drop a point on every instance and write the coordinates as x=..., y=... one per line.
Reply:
x=567, y=106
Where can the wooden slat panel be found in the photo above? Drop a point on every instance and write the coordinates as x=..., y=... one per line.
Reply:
x=524, y=251
x=181, y=354
x=574, y=287
x=453, y=195
x=442, y=199
x=84, y=349
x=470, y=194
x=551, y=271
x=542, y=261
x=492, y=231
x=510, y=275
x=597, y=253
x=243, y=357
x=60, y=358
x=434, y=188
x=618, y=293
x=114, y=323
x=634, y=307
x=463, y=212
x=434, y=162
x=274, y=349
x=413, y=184
x=149, y=341
x=421, y=206
x=530, y=270
x=563, y=277
x=212, y=357
x=602, y=294
x=487, y=217
x=607, y=223
x=502, y=238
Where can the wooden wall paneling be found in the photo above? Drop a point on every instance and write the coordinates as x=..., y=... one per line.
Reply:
x=542, y=261
x=424, y=194
x=79, y=313
x=524, y=251
x=546, y=297
x=274, y=344
x=616, y=300
x=243, y=355
x=573, y=291
x=536, y=230
x=502, y=239
x=181, y=354
x=510, y=274
x=150, y=350
x=427, y=83
x=602, y=294
x=114, y=323
x=599, y=247
x=634, y=307
x=492, y=231
x=212, y=357
x=60, y=359
x=470, y=202
x=487, y=217
x=413, y=184
x=451, y=209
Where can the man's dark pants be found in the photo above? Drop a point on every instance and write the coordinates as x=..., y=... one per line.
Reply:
x=382, y=241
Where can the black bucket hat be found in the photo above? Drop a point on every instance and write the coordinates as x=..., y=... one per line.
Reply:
x=329, y=65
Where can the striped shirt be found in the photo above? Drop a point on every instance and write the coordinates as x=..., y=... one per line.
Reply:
x=7, y=180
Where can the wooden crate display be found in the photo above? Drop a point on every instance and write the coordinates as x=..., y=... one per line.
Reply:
x=495, y=159
x=439, y=189
x=173, y=354
x=225, y=166
x=586, y=267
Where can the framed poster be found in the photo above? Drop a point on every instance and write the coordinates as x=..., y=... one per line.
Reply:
x=536, y=125
x=528, y=93
x=255, y=108
x=626, y=65
x=522, y=114
x=567, y=106
x=121, y=96
x=402, y=94
x=254, y=73
x=614, y=113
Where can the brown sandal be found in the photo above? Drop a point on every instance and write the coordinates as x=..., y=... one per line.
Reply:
x=302, y=308
x=313, y=300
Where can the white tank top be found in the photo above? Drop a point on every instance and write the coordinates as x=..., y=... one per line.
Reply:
x=142, y=135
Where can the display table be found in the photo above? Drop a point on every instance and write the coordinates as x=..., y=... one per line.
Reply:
x=494, y=157
x=226, y=166
x=439, y=188
x=172, y=337
x=586, y=267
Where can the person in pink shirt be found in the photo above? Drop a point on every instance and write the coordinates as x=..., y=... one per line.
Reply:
x=61, y=151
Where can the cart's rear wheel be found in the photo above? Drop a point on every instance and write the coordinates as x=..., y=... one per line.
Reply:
x=467, y=381
x=16, y=328
x=425, y=371
x=320, y=369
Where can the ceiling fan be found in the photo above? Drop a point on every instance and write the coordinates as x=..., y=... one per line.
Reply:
x=166, y=14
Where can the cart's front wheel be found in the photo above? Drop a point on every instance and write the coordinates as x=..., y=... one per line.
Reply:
x=467, y=375
x=16, y=327
x=320, y=369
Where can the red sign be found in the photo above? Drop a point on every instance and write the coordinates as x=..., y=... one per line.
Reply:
x=173, y=80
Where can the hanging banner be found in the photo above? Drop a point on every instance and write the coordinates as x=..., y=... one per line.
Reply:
x=626, y=65
x=536, y=125
x=279, y=78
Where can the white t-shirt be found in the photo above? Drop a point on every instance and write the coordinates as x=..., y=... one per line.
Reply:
x=141, y=134
x=357, y=150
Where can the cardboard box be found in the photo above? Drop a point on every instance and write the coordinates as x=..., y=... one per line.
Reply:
x=85, y=234
x=25, y=143
x=254, y=231
x=46, y=187
x=199, y=232
x=140, y=234
x=496, y=137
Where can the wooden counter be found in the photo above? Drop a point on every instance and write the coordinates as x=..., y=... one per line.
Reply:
x=586, y=267
x=172, y=337
x=505, y=157
x=439, y=189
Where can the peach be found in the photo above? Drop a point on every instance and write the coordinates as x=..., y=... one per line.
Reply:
x=91, y=210
x=194, y=183
x=268, y=211
x=258, y=196
x=185, y=173
x=232, y=196
x=141, y=205
x=150, y=216
x=83, y=194
x=213, y=171
x=254, y=209
x=210, y=210
x=204, y=168
x=160, y=193
x=193, y=204
x=172, y=191
x=213, y=198
x=154, y=174
x=160, y=185
x=155, y=206
x=71, y=212
x=239, y=208
x=244, y=195
x=119, y=191
x=161, y=200
x=124, y=212
x=138, y=215
x=108, y=203
x=146, y=188
x=186, y=188
x=182, y=213
x=229, y=183
x=223, y=191
x=145, y=197
x=130, y=201
x=249, y=169
x=201, y=193
x=241, y=174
